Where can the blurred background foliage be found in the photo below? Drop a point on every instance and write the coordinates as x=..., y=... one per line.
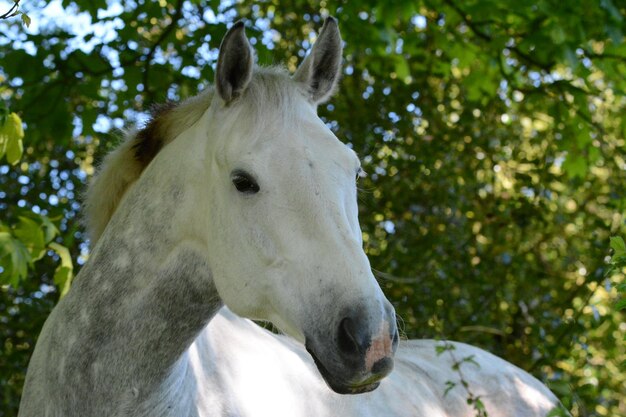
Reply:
x=492, y=133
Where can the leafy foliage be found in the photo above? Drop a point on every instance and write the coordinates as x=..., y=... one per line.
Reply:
x=618, y=265
x=28, y=240
x=492, y=133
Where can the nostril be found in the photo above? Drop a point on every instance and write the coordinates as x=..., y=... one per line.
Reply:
x=347, y=338
x=383, y=366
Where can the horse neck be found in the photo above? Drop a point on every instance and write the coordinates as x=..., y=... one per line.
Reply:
x=144, y=295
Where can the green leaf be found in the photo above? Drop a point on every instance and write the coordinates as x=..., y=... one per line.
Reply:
x=470, y=359
x=618, y=245
x=443, y=348
x=583, y=136
x=478, y=404
x=464, y=53
x=558, y=411
x=65, y=271
x=575, y=165
x=557, y=34
x=14, y=259
x=14, y=151
x=63, y=279
x=449, y=386
x=11, y=134
x=32, y=236
x=25, y=19
x=402, y=69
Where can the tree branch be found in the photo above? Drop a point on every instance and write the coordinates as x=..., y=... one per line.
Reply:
x=12, y=11
x=593, y=55
x=529, y=59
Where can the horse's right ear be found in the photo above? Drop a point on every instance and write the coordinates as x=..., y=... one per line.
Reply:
x=234, y=63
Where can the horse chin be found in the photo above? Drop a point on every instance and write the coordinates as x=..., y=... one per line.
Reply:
x=338, y=386
x=354, y=389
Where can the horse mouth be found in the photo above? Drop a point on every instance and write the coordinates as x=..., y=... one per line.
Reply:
x=342, y=387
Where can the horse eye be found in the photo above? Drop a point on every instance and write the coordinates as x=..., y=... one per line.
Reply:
x=244, y=183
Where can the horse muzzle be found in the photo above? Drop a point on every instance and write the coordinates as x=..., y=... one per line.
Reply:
x=359, y=354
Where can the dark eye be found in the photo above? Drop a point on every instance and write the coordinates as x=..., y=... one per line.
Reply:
x=244, y=183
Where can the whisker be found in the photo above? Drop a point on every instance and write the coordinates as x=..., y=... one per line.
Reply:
x=394, y=278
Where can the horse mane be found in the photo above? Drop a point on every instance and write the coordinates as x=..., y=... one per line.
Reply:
x=121, y=168
x=124, y=164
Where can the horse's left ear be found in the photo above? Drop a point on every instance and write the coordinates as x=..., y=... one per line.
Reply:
x=321, y=70
x=234, y=63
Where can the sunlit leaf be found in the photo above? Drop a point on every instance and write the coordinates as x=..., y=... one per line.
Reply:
x=11, y=134
x=25, y=19
x=65, y=271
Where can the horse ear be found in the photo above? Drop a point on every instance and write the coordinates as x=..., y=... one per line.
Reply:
x=234, y=63
x=321, y=69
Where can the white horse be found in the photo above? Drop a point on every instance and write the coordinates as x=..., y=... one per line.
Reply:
x=243, y=197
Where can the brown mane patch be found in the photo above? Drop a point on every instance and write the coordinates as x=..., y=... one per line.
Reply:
x=151, y=139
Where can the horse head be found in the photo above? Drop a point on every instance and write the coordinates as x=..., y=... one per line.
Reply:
x=285, y=241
